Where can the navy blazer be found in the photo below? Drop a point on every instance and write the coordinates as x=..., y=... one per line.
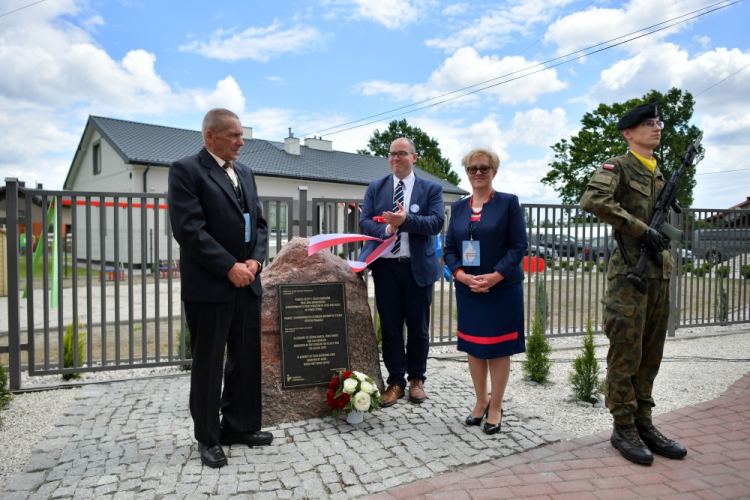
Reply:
x=421, y=225
x=502, y=239
x=210, y=227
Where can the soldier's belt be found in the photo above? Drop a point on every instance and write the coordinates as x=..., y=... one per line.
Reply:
x=630, y=241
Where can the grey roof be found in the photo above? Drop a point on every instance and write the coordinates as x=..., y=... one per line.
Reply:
x=156, y=145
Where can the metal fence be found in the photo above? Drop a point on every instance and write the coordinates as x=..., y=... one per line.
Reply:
x=108, y=274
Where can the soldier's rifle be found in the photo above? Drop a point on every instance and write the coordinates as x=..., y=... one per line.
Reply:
x=667, y=200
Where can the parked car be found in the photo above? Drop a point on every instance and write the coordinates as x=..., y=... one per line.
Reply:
x=542, y=252
x=563, y=244
x=601, y=248
x=718, y=245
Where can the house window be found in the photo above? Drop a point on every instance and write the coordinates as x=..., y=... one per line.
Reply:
x=97, y=159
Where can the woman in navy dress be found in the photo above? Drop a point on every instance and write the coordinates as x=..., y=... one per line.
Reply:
x=484, y=246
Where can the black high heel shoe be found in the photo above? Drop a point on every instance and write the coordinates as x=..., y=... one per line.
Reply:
x=470, y=420
x=493, y=428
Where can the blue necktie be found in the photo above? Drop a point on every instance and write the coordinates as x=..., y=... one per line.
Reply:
x=398, y=196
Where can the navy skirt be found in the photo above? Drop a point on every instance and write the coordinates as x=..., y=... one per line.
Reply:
x=490, y=325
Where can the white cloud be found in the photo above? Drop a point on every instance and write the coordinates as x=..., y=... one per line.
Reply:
x=704, y=41
x=393, y=14
x=466, y=67
x=455, y=9
x=275, y=79
x=54, y=74
x=539, y=127
x=496, y=28
x=259, y=44
x=667, y=65
x=596, y=25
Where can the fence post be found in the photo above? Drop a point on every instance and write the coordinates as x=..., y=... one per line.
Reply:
x=672, y=324
x=14, y=326
x=302, y=211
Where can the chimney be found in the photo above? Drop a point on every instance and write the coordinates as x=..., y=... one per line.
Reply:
x=247, y=133
x=319, y=143
x=291, y=144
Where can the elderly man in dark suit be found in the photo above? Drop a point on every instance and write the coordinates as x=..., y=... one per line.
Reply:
x=218, y=222
x=412, y=208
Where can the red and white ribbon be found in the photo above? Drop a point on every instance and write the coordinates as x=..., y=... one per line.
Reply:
x=323, y=241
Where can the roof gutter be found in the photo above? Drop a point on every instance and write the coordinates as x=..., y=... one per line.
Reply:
x=145, y=177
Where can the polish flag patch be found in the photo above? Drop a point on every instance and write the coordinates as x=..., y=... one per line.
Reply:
x=608, y=166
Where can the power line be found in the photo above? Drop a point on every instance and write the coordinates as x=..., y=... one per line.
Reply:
x=21, y=8
x=531, y=67
x=534, y=72
x=722, y=80
x=723, y=171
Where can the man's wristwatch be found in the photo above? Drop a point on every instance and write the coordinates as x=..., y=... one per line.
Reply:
x=260, y=266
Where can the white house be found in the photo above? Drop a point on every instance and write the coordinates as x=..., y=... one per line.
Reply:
x=118, y=156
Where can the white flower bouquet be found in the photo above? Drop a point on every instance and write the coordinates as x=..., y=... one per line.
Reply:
x=352, y=391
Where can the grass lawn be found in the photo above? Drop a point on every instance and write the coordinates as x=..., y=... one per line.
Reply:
x=39, y=271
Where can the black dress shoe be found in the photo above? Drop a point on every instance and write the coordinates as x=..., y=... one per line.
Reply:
x=626, y=440
x=212, y=456
x=657, y=442
x=471, y=420
x=493, y=428
x=254, y=438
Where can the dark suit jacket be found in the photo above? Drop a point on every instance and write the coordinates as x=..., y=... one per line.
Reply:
x=502, y=235
x=210, y=227
x=422, y=226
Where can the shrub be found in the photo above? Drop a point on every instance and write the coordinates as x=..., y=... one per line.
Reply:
x=564, y=264
x=5, y=395
x=557, y=268
x=537, y=364
x=68, y=350
x=584, y=378
x=722, y=271
x=707, y=266
x=188, y=350
x=723, y=300
x=542, y=302
x=550, y=262
x=341, y=254
x=745, y=271
x=601, y=267
x=699, y=271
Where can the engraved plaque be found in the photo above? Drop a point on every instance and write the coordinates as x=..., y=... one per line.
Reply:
x=312, y=320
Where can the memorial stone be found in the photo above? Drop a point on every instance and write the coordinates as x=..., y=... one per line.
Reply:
x=292, y=266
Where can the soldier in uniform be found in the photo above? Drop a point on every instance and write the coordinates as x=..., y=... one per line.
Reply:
x=623, y=192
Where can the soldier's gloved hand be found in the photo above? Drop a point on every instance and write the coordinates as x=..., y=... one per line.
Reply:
x=653, y=240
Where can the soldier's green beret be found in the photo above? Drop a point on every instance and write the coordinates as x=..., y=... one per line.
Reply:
x=638, y=115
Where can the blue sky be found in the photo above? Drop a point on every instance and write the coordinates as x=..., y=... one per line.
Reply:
x=311, y=65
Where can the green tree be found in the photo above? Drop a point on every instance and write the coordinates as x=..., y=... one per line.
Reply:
x=584, y=379
x=598, y=140
x=430, y=157
x=537, y=365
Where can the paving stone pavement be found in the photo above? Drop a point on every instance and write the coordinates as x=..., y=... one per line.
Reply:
x=134, y=440
x=716, y=434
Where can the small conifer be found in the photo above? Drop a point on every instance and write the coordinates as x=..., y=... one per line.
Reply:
x=537, y=364
x=584, y=378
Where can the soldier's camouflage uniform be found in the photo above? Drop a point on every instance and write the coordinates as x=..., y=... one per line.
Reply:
x=623, y=193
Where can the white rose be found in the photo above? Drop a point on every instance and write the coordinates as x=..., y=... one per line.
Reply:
x=350, y=385
x=362, y=401
x=366, y=387
x=361, y=376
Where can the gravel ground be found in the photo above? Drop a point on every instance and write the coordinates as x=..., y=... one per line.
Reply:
x=686, y=377
x=26, y=422
x=36, y=381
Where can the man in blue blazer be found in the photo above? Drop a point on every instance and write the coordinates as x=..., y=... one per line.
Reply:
x=412, y=208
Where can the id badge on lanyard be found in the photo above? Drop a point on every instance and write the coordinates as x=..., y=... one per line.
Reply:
x=247, y=228
x=470, y=249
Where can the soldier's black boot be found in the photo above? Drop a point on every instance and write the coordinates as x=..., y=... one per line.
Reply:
x=656, y=441
x=626, y=440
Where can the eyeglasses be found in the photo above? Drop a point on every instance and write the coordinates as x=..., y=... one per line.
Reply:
x=400, y=154
x=651, y=123
x=472, y=170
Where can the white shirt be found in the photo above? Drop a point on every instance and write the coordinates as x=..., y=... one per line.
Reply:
x=407, y=190
x=230, y=171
